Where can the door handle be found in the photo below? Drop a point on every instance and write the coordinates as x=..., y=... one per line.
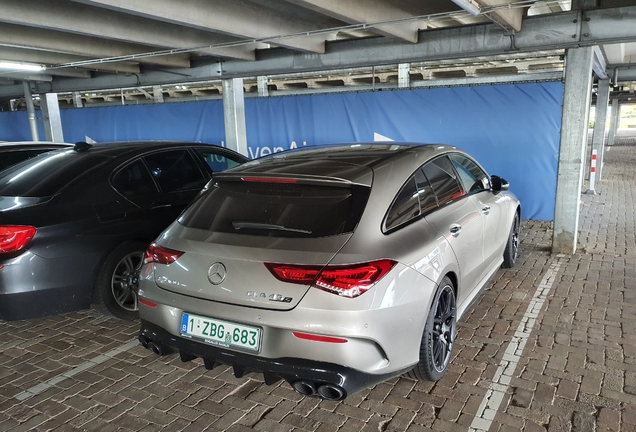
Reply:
x=455, y=229
x=485, y=209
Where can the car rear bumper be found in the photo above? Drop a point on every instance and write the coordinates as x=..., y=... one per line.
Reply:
x=33, y=287
x=43, y=302
x=308, y=377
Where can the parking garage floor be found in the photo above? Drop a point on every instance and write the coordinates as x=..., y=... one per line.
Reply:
x=550, y=345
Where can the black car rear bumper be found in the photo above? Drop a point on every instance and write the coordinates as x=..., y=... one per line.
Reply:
x=308, y=377
x=42, y=302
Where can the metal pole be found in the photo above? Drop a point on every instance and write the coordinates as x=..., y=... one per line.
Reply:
x=591, y=190
x=33, y=122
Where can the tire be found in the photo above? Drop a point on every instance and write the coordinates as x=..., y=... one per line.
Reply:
x=511, y=253
x=117, y=284
x=438, y=338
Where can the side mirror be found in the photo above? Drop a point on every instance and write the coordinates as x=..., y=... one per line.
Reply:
x=499, y=184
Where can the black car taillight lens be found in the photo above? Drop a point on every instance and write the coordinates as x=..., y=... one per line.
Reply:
x=345, y=280
x=161, y=255
x=14, y=238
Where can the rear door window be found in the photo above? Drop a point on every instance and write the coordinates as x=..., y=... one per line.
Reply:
x=134, y=179
x=175, y=170
x=442, y=177
x=277, y=209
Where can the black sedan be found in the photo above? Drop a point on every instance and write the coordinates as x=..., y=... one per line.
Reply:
x=75, y=223
x=13, y=152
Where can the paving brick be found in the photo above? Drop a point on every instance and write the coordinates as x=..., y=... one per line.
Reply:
x=576, y=373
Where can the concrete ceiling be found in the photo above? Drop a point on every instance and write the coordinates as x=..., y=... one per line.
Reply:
x=107, y=44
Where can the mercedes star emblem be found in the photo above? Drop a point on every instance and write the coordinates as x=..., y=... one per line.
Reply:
x=216, y=273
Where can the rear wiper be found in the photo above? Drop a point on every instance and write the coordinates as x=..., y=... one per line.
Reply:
x=266, y=226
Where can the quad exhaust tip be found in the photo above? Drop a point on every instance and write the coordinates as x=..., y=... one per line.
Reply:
x=325, y=391
x=153, y=346
x=330, y=392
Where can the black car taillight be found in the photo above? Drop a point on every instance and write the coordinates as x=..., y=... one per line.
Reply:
x=14, y=238
x=161, y=255
x=345, y=280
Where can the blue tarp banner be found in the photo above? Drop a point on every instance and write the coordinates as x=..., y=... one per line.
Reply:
x=512, y=130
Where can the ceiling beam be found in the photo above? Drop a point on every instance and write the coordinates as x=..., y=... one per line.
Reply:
x=66, y=16
x=54, y=59
x=510, y=19
x=539, y=33
x=368, y=11
x=68, y=43
x=234, y=18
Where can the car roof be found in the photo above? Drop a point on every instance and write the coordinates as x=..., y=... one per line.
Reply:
x=122, y=147
x=32, y=145
x=82, y=158
x=352, y=162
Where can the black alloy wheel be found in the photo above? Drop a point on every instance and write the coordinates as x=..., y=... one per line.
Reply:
x=511, y=253
x=444, y=329
x=438, y=339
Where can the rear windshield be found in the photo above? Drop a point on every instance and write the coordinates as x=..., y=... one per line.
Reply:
x=278, y=209
x=46, y=174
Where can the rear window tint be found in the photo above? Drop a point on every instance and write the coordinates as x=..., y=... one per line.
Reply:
x=47, y=173
x=277, y=209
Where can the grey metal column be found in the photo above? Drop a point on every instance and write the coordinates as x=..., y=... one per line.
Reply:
x=51, y=116
x=574, y=125
x=77, y=100
x=600, y=121
x=157, y=94
x=33, y=122
x=614, y=121
x=234, y=115
x=261, y=83
x=404, y=78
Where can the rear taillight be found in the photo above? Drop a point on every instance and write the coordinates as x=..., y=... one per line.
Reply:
x=346, y=280
x=161, y=255
x=14, y=238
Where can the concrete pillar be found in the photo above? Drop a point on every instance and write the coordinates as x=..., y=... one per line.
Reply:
x=33, y=122
x=234, y=115
x=261, y=83
x=77, y=100
x=614, y=121
x=598, y=137
x=51, y=116
x=157, y=94
x=404, y=77
x=574, y=126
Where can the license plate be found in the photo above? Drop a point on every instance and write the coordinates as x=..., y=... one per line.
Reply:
x=222, y=333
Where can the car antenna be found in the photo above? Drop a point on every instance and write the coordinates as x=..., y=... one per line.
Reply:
x=82, y=146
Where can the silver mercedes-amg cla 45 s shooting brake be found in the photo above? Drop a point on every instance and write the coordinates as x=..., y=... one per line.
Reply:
x=333, y=268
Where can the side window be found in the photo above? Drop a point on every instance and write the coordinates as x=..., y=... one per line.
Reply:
x=134, y=179
x=216, y=161
x=441, y=175
x=405, y=207
x=428, y=201
x=471, y=175
x=175, y=170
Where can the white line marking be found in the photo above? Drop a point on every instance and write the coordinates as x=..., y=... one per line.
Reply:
x=501, y=381
x=37, y=389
